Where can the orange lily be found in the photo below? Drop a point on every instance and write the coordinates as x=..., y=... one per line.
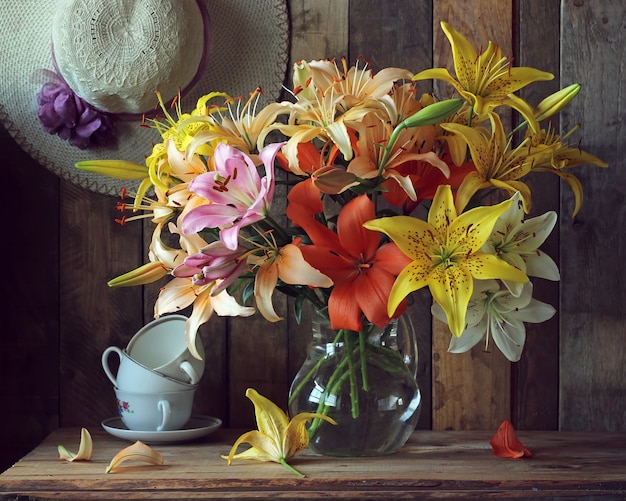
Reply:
x=425, y=178
x=363, y=272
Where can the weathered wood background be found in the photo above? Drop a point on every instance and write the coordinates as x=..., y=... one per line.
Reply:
x=61, y=246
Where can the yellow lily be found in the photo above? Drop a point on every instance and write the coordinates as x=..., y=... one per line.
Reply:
x=278, y=439
x=446, y=254
x=485, y=80
x=85, y=448
x=496, y=165
x=177, y=133
x=554, y=156
x=137, y=452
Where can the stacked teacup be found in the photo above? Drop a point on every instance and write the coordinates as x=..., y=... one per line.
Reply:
x=157, y=376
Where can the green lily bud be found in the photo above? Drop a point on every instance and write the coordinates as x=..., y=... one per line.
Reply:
x=118, y=169
x=433, y=113
x=429, y=115
x=146, y=274
x=556, y=102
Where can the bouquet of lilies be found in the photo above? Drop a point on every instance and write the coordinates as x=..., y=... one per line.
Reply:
x=386, y=191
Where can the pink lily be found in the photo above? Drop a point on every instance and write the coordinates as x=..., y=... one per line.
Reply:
x=239, y=196
x=213, y=262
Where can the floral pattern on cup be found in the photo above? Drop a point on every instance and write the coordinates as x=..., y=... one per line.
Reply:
x=123, y=406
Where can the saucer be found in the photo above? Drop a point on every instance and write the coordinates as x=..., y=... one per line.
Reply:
x=196, y=427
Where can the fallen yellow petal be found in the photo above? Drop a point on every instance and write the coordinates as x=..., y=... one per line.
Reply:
x=137, y=452
x=84, y=449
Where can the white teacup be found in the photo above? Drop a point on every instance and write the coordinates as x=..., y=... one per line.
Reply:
x=132, y=376
x=161, y=346
x=161, y=411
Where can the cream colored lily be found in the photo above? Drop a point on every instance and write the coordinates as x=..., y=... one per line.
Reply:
x=487, y=79
x=179, y=293
x=136, y=452
x=163, y=259
x=318, y=118
x=242, y=126
x=288, y=265
x=85, y=448
x=278, y=438
x=355, y=83
x=446, y=254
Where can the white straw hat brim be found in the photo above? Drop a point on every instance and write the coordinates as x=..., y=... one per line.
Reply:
x=249, y=49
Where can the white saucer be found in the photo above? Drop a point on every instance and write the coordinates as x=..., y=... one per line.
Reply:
x=196, y=427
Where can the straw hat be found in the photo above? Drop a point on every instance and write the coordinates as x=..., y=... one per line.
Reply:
x=114, y=55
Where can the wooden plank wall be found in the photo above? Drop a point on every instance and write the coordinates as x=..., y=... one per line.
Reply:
x=62, y=246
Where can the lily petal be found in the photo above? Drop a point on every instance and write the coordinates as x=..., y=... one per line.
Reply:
x=505, y=443
x=85, y=448
x=136, y=452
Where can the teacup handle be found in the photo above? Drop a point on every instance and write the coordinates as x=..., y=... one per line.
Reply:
x=188, y=369
x=166, y=414
x=105, y=362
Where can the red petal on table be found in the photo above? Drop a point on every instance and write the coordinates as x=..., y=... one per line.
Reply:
x=505, y=443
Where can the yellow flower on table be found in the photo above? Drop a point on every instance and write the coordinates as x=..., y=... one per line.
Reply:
x=278, y=438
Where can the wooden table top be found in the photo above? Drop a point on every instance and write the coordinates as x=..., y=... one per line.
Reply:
x=432, y=464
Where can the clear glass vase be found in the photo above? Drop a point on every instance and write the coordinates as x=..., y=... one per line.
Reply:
x=365, y=381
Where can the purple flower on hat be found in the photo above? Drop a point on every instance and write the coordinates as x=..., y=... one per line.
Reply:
x=63, y=112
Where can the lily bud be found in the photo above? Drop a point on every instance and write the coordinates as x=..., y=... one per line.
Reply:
x=429, y=115
x=118, y=169
x=146, y=274
x=433, y=113
x=556, y=102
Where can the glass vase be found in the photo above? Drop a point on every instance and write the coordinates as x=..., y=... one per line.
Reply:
x=365, y=381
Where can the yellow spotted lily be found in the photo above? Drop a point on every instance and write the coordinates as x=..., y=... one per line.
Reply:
x=278, y=438
x=496, y=164
x=487, y=79
x=445, y=253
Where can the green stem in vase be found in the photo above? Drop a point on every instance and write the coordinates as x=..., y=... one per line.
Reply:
x=296, y=391
x=354, y=394
x=339, y=376
x=363, y=358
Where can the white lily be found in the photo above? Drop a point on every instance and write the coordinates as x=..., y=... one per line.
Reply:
x=517, y=242
x=494, y=312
